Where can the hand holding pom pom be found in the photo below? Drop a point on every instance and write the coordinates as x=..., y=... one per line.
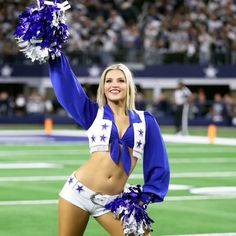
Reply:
x=42, y=30
x=133, y=215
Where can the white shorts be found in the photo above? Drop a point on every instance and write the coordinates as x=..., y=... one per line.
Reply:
x=83, y=197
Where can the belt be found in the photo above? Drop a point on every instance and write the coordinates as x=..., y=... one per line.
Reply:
x=102, y=200
x=97, y=198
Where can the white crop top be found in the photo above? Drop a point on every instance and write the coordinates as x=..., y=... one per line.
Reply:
x=99, y=134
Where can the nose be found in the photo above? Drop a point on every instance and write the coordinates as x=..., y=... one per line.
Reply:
x=114, y=83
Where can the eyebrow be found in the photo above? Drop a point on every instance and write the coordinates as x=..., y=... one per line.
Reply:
x=115, y=78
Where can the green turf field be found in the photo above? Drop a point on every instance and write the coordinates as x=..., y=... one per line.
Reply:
x=192, y=166
x=222, y=131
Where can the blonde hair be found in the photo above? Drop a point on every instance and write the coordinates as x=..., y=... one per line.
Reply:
x=131, y=89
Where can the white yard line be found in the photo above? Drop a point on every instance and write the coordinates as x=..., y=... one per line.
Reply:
x=213, y=190
x=171, y=160
x=203, y=174
x=34, y=165
x=64, y=178
x=203, y=160
x=28, y=202
x=54, y=151
x=133, y=176
x=193, y=175
x=32, y=178
x=14, y=133
x=194, y=198
x=209, y=234
x=81, y=133
x=196, y=150
x=44, y=152
x=53, y=145
x=197, y=139
x=171, y=198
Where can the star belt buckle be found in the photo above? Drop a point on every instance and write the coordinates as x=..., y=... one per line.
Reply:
x=98, y=199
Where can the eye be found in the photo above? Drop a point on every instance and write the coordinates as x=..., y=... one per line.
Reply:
x=121, y=80
x=108, y=80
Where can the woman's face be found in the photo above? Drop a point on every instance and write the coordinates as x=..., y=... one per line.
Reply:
x=115, y=86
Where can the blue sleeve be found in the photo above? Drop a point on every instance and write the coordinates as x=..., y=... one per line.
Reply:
x=70, y=93
x=155, y=163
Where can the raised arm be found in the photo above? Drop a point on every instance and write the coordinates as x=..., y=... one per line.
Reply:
x=70, y=93
x=155, y=163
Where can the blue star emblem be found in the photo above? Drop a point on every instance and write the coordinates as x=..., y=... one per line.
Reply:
x=103, y=137
x=139, y=143
x=70, y=180
x=105, y=126
x=140, y=132
x=93, y=138
x=79, y=188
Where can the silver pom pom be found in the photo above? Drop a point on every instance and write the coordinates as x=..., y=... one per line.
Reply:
x=38, y=41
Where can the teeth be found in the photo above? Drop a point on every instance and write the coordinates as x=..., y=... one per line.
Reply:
x=114, y=91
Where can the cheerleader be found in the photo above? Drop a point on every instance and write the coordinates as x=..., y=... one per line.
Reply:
x=119, y=136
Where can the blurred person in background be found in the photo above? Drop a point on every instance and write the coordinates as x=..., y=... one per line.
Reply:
x=20, y=105
x=131, y=40
x=162, y=106
x=229, y=104
x=200, y=102
x=233, y=51
x=205, y=42
x=140, y=101
x=218, y=109
x=182, y=98
x=34, y=103
x=4, y=103
x=234, y=115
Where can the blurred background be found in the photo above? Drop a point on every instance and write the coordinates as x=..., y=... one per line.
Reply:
x=162, y=42
x=165, y=43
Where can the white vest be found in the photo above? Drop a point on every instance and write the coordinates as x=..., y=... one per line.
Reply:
x=100, y=131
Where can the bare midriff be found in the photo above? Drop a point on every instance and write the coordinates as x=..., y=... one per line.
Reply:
x=101, y=174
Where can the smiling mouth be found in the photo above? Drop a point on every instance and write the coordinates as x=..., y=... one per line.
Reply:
x=114, y=91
